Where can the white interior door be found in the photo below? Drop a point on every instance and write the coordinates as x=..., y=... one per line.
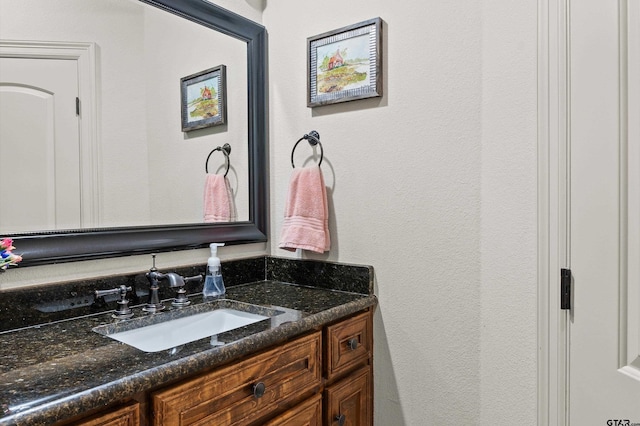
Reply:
x=604, y=212
x=38, y=122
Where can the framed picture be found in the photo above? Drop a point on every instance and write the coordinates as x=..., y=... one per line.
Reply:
x=204, y=99
x=345, y=64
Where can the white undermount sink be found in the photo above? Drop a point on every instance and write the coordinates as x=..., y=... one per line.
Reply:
x=179, y=331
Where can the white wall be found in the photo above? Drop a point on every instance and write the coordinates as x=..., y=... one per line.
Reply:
x=250, y=9
x=435, y=186
x=508, y=333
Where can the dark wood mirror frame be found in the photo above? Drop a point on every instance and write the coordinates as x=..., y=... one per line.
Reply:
x=75, y=245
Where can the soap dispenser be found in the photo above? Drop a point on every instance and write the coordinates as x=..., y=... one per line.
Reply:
x=213, y=283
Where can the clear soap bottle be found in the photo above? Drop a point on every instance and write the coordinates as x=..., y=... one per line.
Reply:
x=213, y=282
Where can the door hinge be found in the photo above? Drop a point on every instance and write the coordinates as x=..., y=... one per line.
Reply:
x=77, y=106
x=565, y=288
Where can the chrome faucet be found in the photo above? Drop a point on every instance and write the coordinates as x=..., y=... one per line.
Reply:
x=175, y=281
x=123, y=311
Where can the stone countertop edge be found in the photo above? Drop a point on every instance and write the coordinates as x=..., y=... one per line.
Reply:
x=108, y=393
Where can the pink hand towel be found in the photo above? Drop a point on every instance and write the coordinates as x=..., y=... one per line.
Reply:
x=218, y=200
x=306, y=217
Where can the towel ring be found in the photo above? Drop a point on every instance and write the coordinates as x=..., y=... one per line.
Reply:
x=226, y=150
x=314, y=139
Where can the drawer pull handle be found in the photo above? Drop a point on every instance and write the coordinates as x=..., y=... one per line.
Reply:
x=258, y=390
x=352, y=344
x=341, y=419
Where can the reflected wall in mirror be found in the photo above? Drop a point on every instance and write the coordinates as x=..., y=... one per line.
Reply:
x=124, y=160
x=148, y=195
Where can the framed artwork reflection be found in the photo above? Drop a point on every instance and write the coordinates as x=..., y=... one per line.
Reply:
x=203, y=99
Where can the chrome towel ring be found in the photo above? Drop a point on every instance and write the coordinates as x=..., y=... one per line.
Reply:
x=226, y=150
x=314, y=139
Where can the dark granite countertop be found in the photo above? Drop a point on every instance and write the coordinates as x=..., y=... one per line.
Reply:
x=56, y=370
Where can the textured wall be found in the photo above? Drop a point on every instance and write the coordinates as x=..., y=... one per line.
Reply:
x=435, y=186
x=508, y=214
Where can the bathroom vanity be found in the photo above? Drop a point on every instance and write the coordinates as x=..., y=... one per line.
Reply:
x=309, y=362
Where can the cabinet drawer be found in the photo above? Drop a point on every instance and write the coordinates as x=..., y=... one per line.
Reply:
x=226, y=396
x=309, y=413
x=348, y=344
x=349, y=401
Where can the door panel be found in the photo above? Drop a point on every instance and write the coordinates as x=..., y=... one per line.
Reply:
x=33, y=201
x=604, y=216
x=630, y=111
x=38, y=116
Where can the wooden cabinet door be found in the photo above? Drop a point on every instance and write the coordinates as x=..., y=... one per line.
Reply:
x=349, y=402
x=309, y=413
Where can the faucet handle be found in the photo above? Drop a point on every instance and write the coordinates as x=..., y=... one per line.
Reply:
x=123, y=311
x=123, y=289
x=195, y=279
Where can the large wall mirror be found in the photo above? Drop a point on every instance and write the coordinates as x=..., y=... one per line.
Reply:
x=139, y=177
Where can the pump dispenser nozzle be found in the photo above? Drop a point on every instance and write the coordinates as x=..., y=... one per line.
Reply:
x=214, y=248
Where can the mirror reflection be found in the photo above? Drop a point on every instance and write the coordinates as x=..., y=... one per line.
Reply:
x=123, y=160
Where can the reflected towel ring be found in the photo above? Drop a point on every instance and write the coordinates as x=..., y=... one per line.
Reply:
x=314, y=139
x=226, y=150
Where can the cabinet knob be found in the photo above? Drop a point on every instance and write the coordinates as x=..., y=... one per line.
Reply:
x=258, y=390
x=340, y=418
x=352, y=344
